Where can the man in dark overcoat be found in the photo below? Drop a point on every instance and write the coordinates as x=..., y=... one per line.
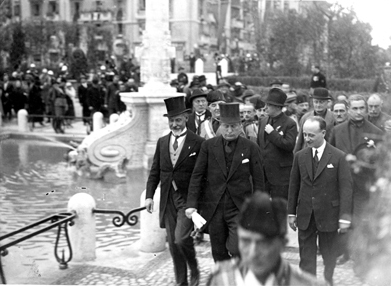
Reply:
x=232, y=167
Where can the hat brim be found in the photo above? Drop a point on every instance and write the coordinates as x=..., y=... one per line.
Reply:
x=320, y=97
x=275, y=103
x=176, y=112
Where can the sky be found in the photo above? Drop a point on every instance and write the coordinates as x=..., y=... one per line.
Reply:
x=375, y=12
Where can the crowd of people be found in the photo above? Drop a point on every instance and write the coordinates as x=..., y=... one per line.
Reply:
x=252, y=164
x=50, y=96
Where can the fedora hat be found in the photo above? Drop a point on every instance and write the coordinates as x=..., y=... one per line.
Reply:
x=229, y=113
x=199, y=92
x=302, y=97
x=265, y=216
x=276, y=97
x=215, y=95
x=321, y=93
x=175, y=106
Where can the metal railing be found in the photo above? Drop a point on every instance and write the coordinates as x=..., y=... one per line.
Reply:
x=130, y=218
x=59, y=220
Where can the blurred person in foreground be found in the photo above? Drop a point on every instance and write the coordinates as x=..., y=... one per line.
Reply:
x=262, y=229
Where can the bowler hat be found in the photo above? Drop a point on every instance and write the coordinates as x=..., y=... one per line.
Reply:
x=321, y=93
x=201, y=78
x=276, y=97
x=265, y=216
x=175, y=106
x=302, y=97
x=229, y=113
x=257, y=102
x=215, y=95
x=199, y=92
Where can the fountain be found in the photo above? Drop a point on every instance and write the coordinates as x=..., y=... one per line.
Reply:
x=133, y=138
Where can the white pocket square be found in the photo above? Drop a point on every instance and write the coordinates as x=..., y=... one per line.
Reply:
x=245, y=161
x=192, y=154
x=330, y=166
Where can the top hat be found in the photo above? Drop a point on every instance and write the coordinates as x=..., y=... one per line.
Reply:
x=302, y=97
x=321, y=93
x=276, y=97
x=229, y=113
x=265, y=216
x=175, y=106
x=199, y=92
x=215, y=95
x=257, y=102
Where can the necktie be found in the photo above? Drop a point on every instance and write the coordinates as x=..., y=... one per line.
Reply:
x=199, y=121
x=175, y=145
x=227, y=148
x=316, y=162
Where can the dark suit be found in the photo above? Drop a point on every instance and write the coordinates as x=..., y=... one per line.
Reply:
x=319, y=202
x=191, y=125
x=340, y=138
x=226, y=189
x=330, y=122
x=172, y=203
x=277, y=153
x=380, y=120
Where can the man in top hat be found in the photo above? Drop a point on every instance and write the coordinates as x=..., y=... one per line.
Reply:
x=262, y=238
x=173, y=164
x=320, y=198
x=200, y=112
x=232, y=167
x=276, y=139
x=320, y=100
x=302, y=104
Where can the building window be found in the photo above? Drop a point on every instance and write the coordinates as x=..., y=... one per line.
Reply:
x=200, y=8
x=17, y=10
x=286, y=6
x=141, y=5
x=76, y=11
x=98, y=5
x=52, y=7
x=35, y=9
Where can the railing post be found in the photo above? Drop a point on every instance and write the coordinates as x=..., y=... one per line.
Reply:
x=113, y=118
x=83, y=233
x=97, y=121
x=152, y=237
x=23, y=120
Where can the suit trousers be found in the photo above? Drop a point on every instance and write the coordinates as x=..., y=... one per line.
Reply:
x=223, y=229
x=308, y=249
x=179, y=228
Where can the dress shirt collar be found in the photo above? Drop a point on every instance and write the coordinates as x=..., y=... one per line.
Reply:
x=320, y=150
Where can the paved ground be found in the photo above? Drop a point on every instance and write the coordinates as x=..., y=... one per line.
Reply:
x=126, y=266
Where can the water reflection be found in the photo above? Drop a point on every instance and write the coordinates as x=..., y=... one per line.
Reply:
x=35, y=183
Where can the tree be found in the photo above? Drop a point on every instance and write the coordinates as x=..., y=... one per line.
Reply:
x=18, y=49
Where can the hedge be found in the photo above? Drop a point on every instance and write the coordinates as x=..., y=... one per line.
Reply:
x=343, y=85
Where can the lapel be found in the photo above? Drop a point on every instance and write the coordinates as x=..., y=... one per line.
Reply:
x=238, y=156
x=261, y=131
x=308, y=162
x=188, y=146
x=324, y=160
x=166, y=149
x=219, y=154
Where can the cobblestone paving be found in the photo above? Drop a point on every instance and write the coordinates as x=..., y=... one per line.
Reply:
x=159, y=271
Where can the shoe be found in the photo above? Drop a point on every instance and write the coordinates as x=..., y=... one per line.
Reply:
x=195, y=278
x=343, y=259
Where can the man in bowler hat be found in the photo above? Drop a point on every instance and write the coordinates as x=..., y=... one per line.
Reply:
x=173, y=164
x=200, y=112
x=276, y=139
x=232, y=167
x=262, y=237
x=320, y=99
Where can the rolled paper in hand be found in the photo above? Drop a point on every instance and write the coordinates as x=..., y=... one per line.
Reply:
x=198, y=220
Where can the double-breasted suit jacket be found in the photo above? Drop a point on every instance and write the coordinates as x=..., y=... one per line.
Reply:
x=328, y=194
x=164, y=172
x=277, y=148
x=244, y=176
